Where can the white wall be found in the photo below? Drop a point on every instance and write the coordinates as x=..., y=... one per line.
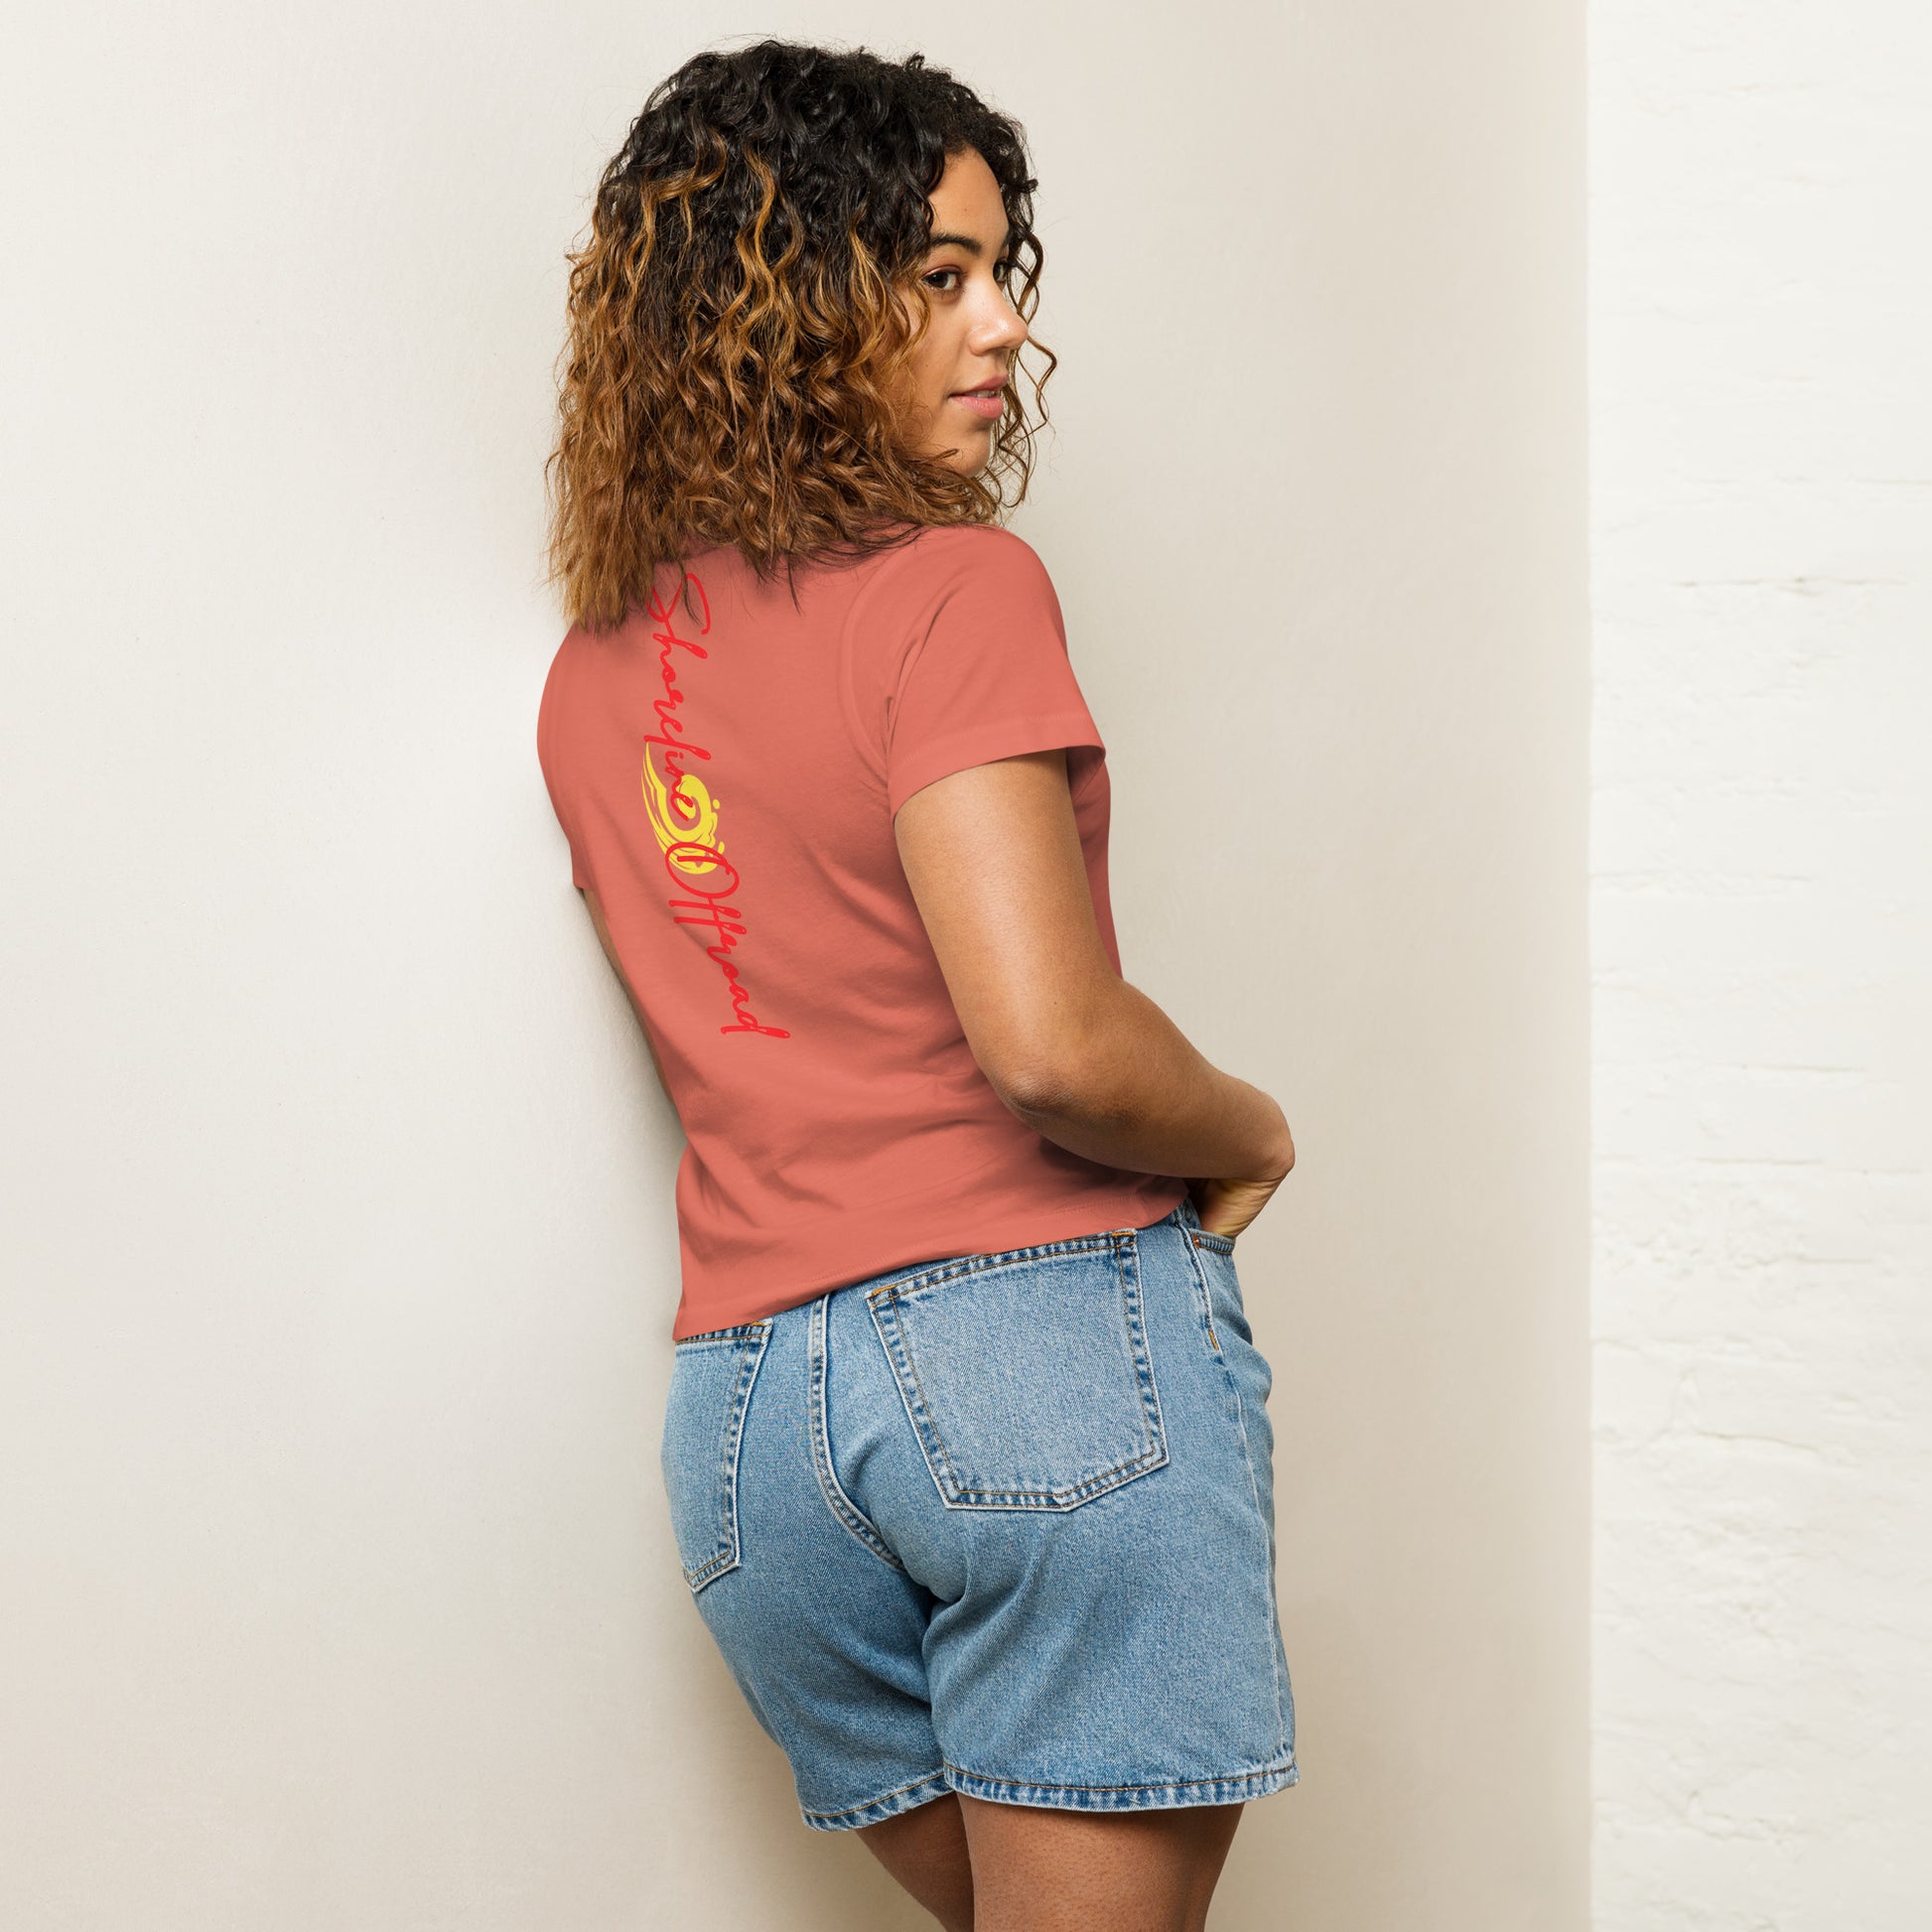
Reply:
x=1761, y=419
x=335, y=1586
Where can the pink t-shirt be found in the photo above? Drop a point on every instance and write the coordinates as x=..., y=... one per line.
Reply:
x=727, y=774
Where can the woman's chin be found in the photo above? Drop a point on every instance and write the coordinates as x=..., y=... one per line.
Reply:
x=972, y=458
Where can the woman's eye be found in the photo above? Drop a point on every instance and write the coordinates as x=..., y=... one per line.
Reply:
x=1004, y=274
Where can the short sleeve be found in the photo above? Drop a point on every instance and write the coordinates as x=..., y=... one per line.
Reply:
x=553, y=760
x=987, y=673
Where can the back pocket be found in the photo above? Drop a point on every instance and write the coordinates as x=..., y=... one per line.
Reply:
x=704, y=1424
x=1026, y=1375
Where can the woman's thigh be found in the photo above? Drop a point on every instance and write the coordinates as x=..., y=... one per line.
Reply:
x=1026, y=1869
x=1049, y=1870
x=925, y=1850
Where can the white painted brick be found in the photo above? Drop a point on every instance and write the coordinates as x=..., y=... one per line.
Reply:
x=1762, y=856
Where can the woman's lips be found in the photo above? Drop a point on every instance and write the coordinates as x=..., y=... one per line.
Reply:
x=988, y=408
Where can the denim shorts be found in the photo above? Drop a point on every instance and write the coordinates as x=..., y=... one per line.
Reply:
x=1001, y=1524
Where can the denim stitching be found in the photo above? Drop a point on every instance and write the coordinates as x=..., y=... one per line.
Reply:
x=718, y=1337
x=1141, y=1343
x=1126, y=1246
x=1254, y=1489
x=1201, y=1236
x=849, y=1514
x=1203, y=1295
x=897, y=1791
x=974, y=1264
x=1189, y=1217
x=757, y=1333
x=1285, y=1763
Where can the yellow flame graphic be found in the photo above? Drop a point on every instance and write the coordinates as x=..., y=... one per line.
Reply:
x=673, y=829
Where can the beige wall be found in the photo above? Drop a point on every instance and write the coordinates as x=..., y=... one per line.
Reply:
x=335, y=1586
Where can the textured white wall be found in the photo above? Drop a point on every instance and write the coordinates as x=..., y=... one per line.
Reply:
x=1761, y=419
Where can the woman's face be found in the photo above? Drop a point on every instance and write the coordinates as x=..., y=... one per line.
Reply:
x=975, y=333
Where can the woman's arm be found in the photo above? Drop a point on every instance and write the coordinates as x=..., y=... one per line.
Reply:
x=993, y=857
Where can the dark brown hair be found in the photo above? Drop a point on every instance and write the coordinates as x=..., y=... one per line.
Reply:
x=736, y=329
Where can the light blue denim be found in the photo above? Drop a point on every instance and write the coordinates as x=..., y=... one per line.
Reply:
x=1001, y=1524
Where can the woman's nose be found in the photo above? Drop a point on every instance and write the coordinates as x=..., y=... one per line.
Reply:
x=1002, y=329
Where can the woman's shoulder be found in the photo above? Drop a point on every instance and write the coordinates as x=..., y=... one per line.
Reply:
x=941, y=557
x=975, y=542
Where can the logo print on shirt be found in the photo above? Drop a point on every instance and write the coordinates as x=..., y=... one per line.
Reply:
x=684, y=813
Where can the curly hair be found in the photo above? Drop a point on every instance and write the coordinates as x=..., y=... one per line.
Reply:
x=736, y=331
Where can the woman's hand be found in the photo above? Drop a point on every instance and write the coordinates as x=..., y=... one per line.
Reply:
x=1227, y=1206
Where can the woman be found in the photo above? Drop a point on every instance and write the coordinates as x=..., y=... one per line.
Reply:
x=966, y=1446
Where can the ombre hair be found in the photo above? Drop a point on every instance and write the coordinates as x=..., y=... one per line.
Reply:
x=737, y=335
